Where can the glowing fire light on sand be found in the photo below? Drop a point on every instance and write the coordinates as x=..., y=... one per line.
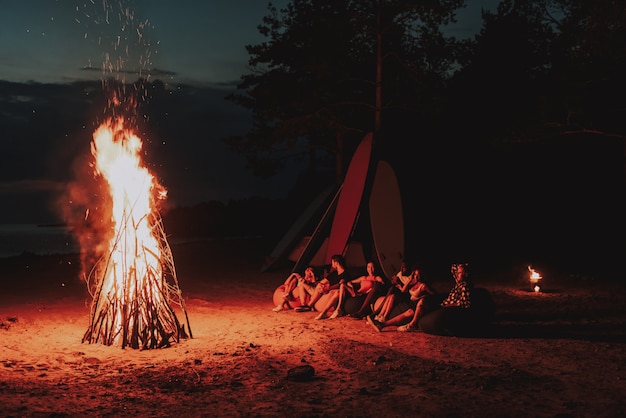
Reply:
x=534, y=279
x=136, y=279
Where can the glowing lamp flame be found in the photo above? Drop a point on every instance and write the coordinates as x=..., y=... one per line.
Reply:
x=534, y=279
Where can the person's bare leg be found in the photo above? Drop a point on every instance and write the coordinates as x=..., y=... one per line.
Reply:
x=381, y=312
x=281, y=305
x=287, y=289
x=302, y=293
x=400, y=319
x=412, y=325
x=342, y=295
x=333, y=299
x=290, y=285
x=305, y=292
x=396, y=320
x=370, y=298
x=317, y=294
x=376, y=312
x=385, y=310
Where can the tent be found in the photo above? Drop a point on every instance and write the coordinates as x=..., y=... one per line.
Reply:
x=362, y=220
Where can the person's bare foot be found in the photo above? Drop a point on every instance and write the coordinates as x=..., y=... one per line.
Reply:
x=321, y=315
x=336, y=314
x=406, y=328
x=374, y=323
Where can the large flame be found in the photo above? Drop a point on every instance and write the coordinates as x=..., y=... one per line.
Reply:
x=131, y=305
x=134, y=247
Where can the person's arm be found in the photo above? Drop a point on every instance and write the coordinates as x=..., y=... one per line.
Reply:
x=289, y=278
x=350, y=287
x=358, y=279
x=324, y=285
x=412, y=281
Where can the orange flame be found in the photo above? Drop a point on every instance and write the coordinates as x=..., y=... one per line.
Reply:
x=117, y=153
x=534, y=278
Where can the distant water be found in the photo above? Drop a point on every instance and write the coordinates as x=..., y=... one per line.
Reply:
x=16, y=239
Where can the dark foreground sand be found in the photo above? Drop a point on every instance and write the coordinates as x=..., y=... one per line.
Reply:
x=558, y=353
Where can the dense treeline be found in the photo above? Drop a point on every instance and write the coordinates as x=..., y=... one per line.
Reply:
x=331, y=71
x=510, y=143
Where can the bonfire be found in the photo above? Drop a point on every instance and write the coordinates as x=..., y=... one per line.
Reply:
x=134, y=284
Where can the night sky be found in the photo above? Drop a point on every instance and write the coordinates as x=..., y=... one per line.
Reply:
x=194, y=41
x=45, y=44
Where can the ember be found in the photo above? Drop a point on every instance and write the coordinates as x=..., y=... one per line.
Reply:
x=135, y=283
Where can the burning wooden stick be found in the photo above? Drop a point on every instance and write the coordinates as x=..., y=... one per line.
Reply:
x=137, y=311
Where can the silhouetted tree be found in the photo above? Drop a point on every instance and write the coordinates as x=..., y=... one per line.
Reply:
x=545, y=67
x=332, y=70
x=592, y=63
x=542, y=94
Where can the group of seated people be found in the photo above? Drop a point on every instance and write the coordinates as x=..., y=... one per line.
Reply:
x=406, y=303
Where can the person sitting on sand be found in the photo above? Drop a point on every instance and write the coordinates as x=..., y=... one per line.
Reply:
x=298, y=287
x=335, y=277
x=459, y=297
x=400, y=283
x=404, y=294
x=399, y=307
x=404, y=278
x=356, y=288
x=364, y=304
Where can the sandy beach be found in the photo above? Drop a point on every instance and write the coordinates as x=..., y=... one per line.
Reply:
x=557, y=353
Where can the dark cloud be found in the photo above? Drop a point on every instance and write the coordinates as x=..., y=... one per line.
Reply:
x=31, y=186
x=154, y=72
x=46, y=130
